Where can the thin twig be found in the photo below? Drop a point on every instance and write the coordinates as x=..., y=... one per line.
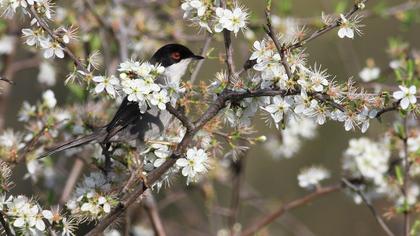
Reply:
x=280, y=48
x=200, y=63
x=406, y=181
x=372, y=209
x=229, y=50
x=265, y=220
x=326, y=28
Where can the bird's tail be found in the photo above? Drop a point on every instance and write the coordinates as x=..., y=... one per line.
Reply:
x=97, y=136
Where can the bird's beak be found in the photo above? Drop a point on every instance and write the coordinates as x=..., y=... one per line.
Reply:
x=197, y=57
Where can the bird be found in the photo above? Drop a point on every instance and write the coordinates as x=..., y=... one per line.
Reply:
x=129, y=123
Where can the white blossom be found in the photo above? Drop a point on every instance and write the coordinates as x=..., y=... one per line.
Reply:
x=160, y=99
x=345, y=29
x=48, y=98
x=368, y=74
x=196, y=162
x=406, y=96
x=278, y=108
x=7, y=44
x=230, y=20
x=366, y=158
x=52, y=49
x=46, y=74
x=26, y=112
x=106, y=83
x=312, y=176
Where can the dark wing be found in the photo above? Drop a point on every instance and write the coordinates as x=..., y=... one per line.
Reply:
x=127, y=113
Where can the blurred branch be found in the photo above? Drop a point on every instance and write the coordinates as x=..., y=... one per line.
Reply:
x=265, y=220
x=153, y=212
x=369, y=205
x=71, y=180
x=406, y=180
x=200, y=63
x=238, y=167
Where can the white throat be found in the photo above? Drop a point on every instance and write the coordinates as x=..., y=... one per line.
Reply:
x=174, y=72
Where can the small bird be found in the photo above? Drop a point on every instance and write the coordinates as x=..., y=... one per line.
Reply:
x=128, y=123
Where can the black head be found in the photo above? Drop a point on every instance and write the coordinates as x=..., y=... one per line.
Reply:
x=173, y=53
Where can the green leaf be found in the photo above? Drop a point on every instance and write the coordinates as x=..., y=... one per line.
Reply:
x=284, y=7
x=77, y=92
x=380, y=8
x=341, y=6
x=399, y=174
x=415, y=229
x=399, y=130
x=410, y=69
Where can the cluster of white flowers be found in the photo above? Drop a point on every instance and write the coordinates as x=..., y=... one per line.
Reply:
x=36, y=36
x=201, y=12
x=10, y=7
x=294, y=133
x=312, y=176
x=272, y=75
x=92, y=199
x=241, y=115
x=367, y=159
x=195, y=10
x=371, y=162
x=162, y=153
x=138, y=81
x=28, y=218
x=194, y=164
x=52, y=46
x=10, y=139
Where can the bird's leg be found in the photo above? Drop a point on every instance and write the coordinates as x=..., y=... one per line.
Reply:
x=107, y=154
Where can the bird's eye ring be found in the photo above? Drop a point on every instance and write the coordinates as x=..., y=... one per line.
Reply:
x=176, y=55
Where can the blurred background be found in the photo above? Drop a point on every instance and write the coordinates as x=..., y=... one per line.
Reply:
x=273, y=180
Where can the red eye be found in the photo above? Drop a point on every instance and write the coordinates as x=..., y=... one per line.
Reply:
x=176, y=55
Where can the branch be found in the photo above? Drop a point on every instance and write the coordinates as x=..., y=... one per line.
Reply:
x=265, y=220
x=393, y=107
x=369, y=205
x=229, y=50
x=283, y=50
x=326, y=28
x=44, y=26
x=180, y=116
x=280, y=48
x=208, y=115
